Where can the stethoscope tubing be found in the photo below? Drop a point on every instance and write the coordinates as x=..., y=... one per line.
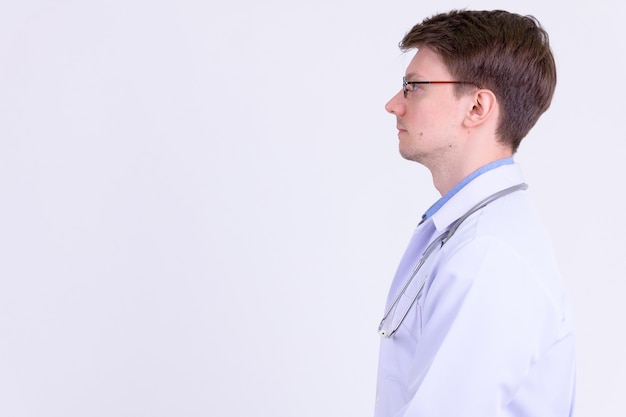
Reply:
x=439, y=241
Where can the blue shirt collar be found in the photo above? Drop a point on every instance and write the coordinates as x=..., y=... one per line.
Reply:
x=495, y=164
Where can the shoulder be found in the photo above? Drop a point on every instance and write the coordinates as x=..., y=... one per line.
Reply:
x=502, y=265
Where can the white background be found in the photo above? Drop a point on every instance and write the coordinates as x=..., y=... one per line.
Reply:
x=202, y=203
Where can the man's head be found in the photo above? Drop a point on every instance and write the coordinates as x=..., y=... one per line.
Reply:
x=499, y=51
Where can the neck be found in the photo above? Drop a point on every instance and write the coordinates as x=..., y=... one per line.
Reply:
x=447, y=176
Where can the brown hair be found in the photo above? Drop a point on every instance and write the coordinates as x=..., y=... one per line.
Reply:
x=504, y=52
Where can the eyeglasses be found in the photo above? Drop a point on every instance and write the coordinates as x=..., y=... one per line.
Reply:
x=406, y=84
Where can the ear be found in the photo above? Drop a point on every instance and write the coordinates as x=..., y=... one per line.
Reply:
x=483, y=108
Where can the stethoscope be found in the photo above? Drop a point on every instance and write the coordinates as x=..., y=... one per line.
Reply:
x=437, y=243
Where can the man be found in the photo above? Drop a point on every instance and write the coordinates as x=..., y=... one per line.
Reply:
x=477, y=322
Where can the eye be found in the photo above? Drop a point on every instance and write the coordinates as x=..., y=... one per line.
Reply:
x=414, y=87
x=411, y=86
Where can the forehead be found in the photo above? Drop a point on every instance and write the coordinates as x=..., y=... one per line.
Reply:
x=427, y=65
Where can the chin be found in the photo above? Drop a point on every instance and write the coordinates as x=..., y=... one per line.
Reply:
x=405, y=153
x=410, y=155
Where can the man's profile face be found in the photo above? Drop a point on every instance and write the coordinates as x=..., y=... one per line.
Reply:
x=429, y=118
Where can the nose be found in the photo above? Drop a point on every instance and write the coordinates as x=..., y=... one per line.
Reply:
x=396, y=104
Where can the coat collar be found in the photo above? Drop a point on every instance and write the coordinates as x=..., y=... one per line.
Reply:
x=472, y=193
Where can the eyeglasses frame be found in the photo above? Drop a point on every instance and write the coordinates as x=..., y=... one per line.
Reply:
x=406, y=83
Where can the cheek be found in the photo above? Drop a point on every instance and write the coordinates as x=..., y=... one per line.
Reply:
x=427, y=111
x=435, y=117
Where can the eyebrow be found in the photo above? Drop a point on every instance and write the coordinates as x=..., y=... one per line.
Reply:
x=412, y=75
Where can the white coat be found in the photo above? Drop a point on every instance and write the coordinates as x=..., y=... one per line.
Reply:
x=491, y=333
